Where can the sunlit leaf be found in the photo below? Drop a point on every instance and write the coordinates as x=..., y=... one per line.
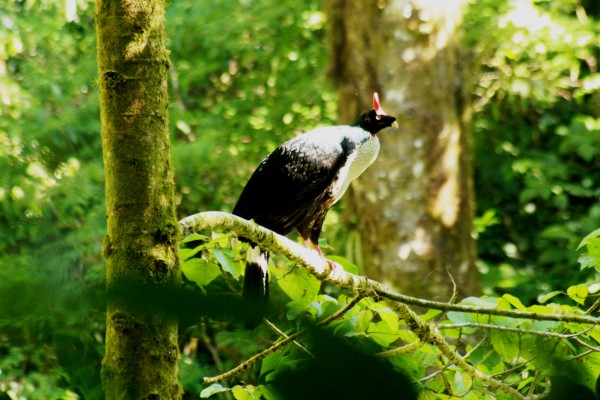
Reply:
x=578, y=293
x=212, y=389
x=248, y=392
x=542, y=298
x=300, y=286
x=185, y=253
x=586, y=240
x=514, y=301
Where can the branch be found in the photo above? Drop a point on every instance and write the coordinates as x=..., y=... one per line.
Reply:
x=253, y=360
x=317, y=266
x=430, y=334
x=514, y=330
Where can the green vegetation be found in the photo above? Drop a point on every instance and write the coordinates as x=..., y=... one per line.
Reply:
x=247, y=75
x=537, y=140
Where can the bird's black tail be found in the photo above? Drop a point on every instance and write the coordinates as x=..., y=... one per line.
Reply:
x=256, y=286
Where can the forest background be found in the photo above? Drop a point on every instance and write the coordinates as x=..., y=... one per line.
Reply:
x=244, y=77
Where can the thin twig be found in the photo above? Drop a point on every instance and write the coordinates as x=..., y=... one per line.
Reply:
x=430, y=334
x=282, y=333
x=439, y=371
x=252, y=360
x=593, y=307
x=407, y=348
x=587, y=346
x=509, y=329
x=257, y=357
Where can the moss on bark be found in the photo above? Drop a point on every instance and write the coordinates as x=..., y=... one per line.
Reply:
x=140, y=248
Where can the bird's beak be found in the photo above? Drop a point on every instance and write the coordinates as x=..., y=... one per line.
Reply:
x=395, y=124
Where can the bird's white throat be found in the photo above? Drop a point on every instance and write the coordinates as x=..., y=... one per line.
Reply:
x=358, y=161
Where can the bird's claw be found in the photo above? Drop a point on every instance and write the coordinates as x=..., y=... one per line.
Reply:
x=336, y=270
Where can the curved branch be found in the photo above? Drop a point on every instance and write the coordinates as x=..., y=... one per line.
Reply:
x=317, y=266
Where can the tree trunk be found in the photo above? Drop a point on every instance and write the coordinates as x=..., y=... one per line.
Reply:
x=415, y=203
x=141, y=360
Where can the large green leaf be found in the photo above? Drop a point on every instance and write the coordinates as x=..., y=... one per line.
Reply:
x=200, y=271
x=227, y=261
x=300, y=286
x=505, y=343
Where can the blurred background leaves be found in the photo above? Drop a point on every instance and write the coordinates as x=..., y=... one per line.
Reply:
x=245, y=76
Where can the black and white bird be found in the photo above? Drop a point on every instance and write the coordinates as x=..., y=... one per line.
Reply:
x=295, y=186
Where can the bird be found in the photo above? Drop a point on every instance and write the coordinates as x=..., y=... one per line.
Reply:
x=297, y=184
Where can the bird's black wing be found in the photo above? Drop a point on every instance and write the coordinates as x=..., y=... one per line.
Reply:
x=288, y=186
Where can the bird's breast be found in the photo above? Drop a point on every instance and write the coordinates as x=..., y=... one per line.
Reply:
x=357, y=162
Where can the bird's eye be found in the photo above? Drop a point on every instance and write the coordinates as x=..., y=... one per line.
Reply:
x=378, y=117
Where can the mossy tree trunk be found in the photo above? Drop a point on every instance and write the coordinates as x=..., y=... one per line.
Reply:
x=415, y=202
x=141, y=360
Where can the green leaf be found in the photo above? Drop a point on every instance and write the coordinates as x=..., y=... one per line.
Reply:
x=266, y=393
x=514, y=301
x=300, y=286
x=431, y=313
x=542, y=298
x=584, y=370
x=227, y=262
x=184, y=253
x=489, y=218
x=382, y=333
x=193, y=237
x=385, y=313
x=461, y=383
x=460, y=317
x=484, y=302
x=586, y=240
x=245, y=392
x=212, y=389
x=595, y=334
x=586, y=261
x=200, y=271
x=505, y=343
x=578, y=293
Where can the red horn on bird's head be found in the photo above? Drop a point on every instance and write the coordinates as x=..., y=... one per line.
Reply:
x=377, y=105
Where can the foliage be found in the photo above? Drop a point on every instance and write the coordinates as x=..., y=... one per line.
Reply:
x=592, y=258
x=246, y=76
x=51, y=208
x=524, y=353
x=51, y=196
x=241, y=87
x=537, y=136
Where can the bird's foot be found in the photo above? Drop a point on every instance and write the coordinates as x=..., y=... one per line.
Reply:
x=336, y=270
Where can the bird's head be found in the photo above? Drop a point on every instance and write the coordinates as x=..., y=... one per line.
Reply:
x=375, y=120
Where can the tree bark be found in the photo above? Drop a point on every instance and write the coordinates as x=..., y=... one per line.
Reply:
x=140, y=248
x=415, y=203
